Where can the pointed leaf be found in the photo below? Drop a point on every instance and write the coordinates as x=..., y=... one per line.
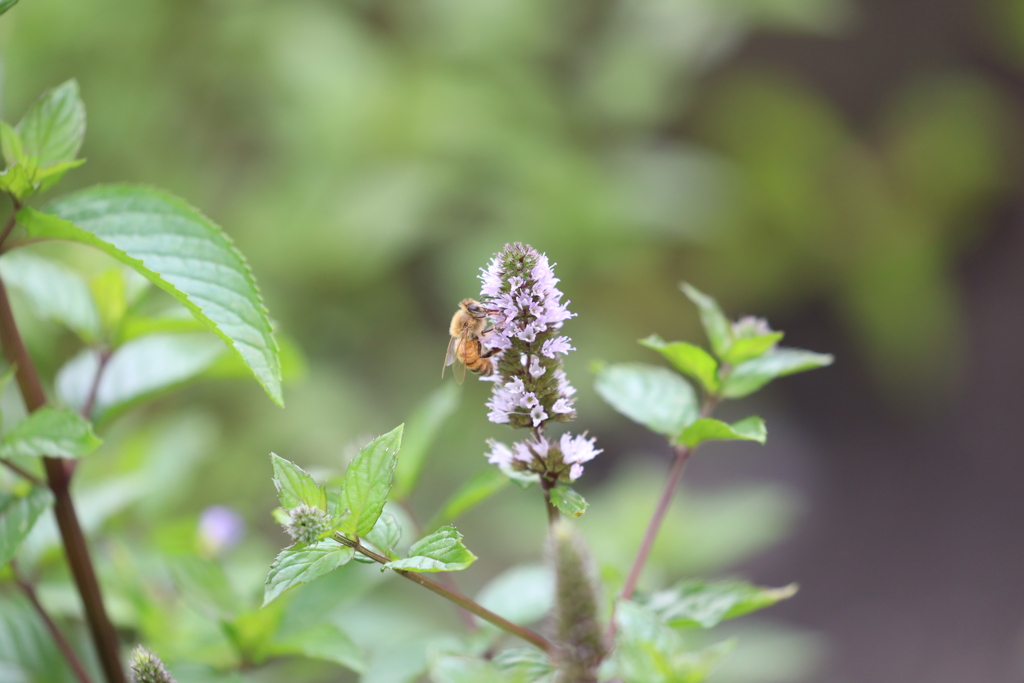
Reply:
x=53, y=128
x=441, y=551
x=696, y=603
x=745, y=348
x=420, y=433
x=11, y=146
x=17, y=516
x=568, y=501
x=17, y=181
x=707, y=429
x=179, y=250
x=50, y=432
x=655, y=397
x=716, y=325
x=6, y=5
x=367, y=482
x=295, y=487
x=54, y=291
x=303, y=565
x=689, y=359
x=482, y=486
x=751, y=375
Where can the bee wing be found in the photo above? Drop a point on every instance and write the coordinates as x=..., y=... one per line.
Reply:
x=449, y=356
x=459, y=368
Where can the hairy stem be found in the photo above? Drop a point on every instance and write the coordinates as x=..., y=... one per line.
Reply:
x=59, y=479
x=65, y=647
x=460, y=600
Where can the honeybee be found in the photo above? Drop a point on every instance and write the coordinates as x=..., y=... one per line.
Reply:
x=468, y=326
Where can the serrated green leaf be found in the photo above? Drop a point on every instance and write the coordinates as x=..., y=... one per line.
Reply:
x=17, y=181
x=6, y=5
x=655, y=397
x=179, y=250
x=441, y=551
x=295, y=487
x=716, y=325
x=17, y=516
x=689, y=359
x=53, y=128
x=293, y=567
x=420, y=433
x=385, y=533
x=322, y=641
x=745, y=348
x=367, y=482
x=749, y=376
x=479, y=488
x=54, y=291
x=696, y=603
x=568, y=501
x=50, y=432
x=140, y=369
x=707, y=429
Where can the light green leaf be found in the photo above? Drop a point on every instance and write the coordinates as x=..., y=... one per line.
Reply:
x=689, y=359
x=367, y=482
x=745, y=348
x=17, y=181
x=11, y=146
x=707, y=429
x=441, y=551
x=303, y=565
x=385, y=533
x=568, y=501
x=655, y=397
x=50, y=432
x=751, y=375
x=47, y=177
x=482, y=486
x=17, y=516
x=53, y=128
x=525, y=664
x=179, y=250
x=716, y=325
x=696, y=603
x=205, y=586
x=322, y=641
x=6, y=5
x=295, y=487
x=54, y=291
x=522, y=594
x=420, y=433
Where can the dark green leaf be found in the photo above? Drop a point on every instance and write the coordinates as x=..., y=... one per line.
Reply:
x=716, y=325
x=420, y=433
x=568, y=501
x=323, y=641
x=6, y=5
x=17, y=516
x=482, y=486
x=303, y=565
x=53, y=128
x=695, y=603
x=745, y=348
x=441, y=551
x=707, y=429
x=385, y=533
x=50, y=432
x=54, y=291
x=179, y=250
x=751, y=375
x=655, y=397
x=689, y=359
x=367, y=482
x=295, y=487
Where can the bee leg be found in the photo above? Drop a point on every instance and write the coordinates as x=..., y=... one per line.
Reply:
x=490, y=352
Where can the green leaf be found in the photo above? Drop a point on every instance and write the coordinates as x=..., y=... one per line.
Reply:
x=54, y=291
x=17, y=181
x=50, y=432
x=323, y=641
x=462, y=669
x=523, y=663
x=707, y=429
x=6, y=5
x=696, y=603
x=716, y=325
x=745, y=348
x=385, y=533
x=655, y=397
x=179, y=250
x=522, y=594
x=751, y=375
x=47, y=177
x=53, y=128
x=482, y=486
x=367, y=482
x=204, y=586
x=295, y=487
x=441, y=551
x=17, y=516
x=420, y=433
x=689, y=359
x=12, y=146
x=568, y=501
x=303, y=565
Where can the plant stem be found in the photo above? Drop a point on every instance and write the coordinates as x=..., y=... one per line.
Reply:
x=75, y=548
x=65, y=647
x=36, y=481
x=460, y=600
x=553, y=515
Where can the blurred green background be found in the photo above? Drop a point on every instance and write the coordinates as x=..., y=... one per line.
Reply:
x=848, y=169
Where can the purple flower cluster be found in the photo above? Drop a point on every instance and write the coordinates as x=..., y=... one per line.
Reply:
x=530, y=388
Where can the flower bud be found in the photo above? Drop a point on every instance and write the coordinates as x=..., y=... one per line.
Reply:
x=147, y=667
x=307, y=524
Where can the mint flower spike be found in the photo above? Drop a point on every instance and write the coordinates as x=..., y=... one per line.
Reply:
x=530, y=388
x=147, y=668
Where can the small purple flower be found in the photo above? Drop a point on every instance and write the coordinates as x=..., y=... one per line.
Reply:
x=576, y=451
x=220, y=529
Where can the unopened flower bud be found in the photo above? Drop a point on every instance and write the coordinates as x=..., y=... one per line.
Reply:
x=307, y=523
x=147, y=667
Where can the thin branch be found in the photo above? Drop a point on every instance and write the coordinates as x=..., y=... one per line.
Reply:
x=36, y=481
x=460, y=600
x=62, y=644
x=94, y=388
